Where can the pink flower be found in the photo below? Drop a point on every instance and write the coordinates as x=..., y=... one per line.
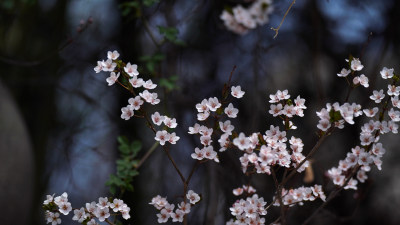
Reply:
x=237, y=92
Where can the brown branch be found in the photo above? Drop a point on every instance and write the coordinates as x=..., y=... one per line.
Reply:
x=279, y=196
x=286, y=13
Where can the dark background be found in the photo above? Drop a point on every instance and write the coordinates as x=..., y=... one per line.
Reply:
x=60, y=121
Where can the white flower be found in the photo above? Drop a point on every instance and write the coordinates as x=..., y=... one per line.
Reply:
x=131, y=70
x=282, y=95
x=91, y=207
x=393, y=90
x=136, y=102
x=377, y=96
x=159, y=202
x=356, y=64
x=79, y=215
x=203, y=116
x=185, y=207
x=103, y=203
x=173, y=138
x=112, y=55
x=53, y=218
x=198, y=154
x=275, y=110
x=108, y=65
x=125, y=212
x=157, y=118
x=102, y=213
x=99, y=67
x=242, y=142
x=61, y=199
x=147, y=96
x=149, y=85
x=136, y=82
x=193, y=197
x=195, y=129
x=202, y=107
x=395, y=101
x=170, y=122
x=237, y=92
x=49, y=198
x=363, y=80
x=163, y=216
x=226, y=127
x=387, y=73
x=230, y=111
x=127, y=112
x=324, y=125
x=370, y=112
x=209, y=153
x=177, y=216
x=65, y=208
x=162, y=137
x=213, y=104
x=92, y=222
x=112, y=79
x=344, y=72
x=117, y=205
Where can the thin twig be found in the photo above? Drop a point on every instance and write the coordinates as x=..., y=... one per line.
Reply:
x=148, y=153
x=279, y=27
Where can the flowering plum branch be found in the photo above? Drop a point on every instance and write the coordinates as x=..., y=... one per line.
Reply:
x=261, y=153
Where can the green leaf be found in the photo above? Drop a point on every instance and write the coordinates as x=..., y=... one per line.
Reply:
x=133, y=173
x=334, y=116
x=136, y=146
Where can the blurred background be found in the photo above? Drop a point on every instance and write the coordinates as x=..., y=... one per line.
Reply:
x=59, y=121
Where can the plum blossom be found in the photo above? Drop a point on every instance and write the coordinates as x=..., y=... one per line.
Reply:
x=193, y=197
x=356, y=64
x=230, y=111
x=344, y=72
x=387, y=73
x=377, y=96
x=112, y=55
x=131, y=69
x=112, y=79
x=162, y=137
x=237, y=92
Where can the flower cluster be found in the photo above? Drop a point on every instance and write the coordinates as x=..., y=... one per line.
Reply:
x=370, y=151
x=355, y=65
x=248, y=211
x=130, y=72
x=273, y=152
x=85, y=215
x=338, y=115
x=167, y=210
x=240, y=20
x=206, y=108
x=163, y=135
x=285, y=107
x=298, y=196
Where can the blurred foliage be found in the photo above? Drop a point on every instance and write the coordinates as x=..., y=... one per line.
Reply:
x=151, y=61
x=169, y=83
x=126, y=166
x=171, y=35
x=9, y=5
x=135, y=7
